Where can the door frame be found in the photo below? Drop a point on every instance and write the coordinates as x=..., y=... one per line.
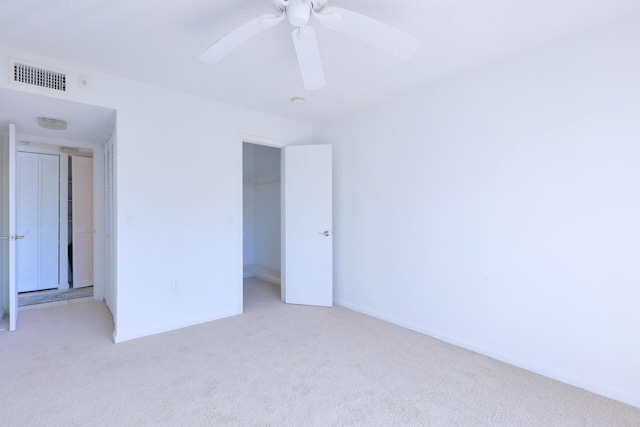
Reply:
x=13, y=212
x=257, y=140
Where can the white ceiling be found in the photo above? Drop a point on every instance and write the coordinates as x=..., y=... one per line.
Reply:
x=158, y=41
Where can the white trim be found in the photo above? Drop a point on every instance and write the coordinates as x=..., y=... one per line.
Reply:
x=240, y=226
x=264, y=273
x=43, y=142
x=51, y=150
x=253, y=139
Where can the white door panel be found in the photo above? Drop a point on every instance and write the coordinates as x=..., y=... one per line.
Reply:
x=38, y=221
x=49, y=222
x=307, y=220
x=27, y=222
x=10, y=236
x=82, y=216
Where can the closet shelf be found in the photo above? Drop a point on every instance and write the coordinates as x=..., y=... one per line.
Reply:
x=262, y=181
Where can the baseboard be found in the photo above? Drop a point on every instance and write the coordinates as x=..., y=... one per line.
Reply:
x=120, y=337
x=264, y=273
x=544, y=370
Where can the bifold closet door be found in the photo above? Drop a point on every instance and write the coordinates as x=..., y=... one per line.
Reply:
x=38, y=221
x=82, y=220
x=109, y=193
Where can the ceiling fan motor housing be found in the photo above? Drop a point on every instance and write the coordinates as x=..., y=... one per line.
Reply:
x=298, y=12
x=316, y=5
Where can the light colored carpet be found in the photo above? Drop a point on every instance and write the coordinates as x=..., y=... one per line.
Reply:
x=274, y=365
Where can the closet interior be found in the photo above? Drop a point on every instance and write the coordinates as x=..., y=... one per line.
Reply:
x=261, y=212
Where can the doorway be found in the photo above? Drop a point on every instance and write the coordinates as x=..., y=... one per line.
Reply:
x=262, y=220
x=296, y=233
x=98, y=252
x=55, y=213
x=93, y=127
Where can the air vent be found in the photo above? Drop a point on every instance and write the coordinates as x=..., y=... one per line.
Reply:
x=36, y=76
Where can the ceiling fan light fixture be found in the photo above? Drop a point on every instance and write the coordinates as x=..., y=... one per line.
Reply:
x=51, y=124
x=296, y=100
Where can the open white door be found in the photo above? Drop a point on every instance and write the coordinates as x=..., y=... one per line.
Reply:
x=82, y=216
x=9, y=229
x=307, y=224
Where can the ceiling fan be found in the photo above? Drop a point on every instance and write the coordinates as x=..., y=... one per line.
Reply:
x=298, y=13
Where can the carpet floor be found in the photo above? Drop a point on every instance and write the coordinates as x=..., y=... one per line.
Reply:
x=276, y=364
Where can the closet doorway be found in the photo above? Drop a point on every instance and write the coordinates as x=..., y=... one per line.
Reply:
x=55, y=209
x=261, y=195
x=286, y=233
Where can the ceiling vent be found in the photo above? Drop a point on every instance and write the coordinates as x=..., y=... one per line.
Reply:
x=37, y=76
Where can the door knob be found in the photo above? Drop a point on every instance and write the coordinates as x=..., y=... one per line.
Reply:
x=325, y=233
x=4, y=237
x=19, y=237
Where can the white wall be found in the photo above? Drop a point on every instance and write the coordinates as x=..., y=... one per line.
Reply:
x=179, y=177
x=500, y=210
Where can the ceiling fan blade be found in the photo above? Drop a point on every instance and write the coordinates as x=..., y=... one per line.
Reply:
x=306, y=44
x=235, y=38
x=382, y=36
